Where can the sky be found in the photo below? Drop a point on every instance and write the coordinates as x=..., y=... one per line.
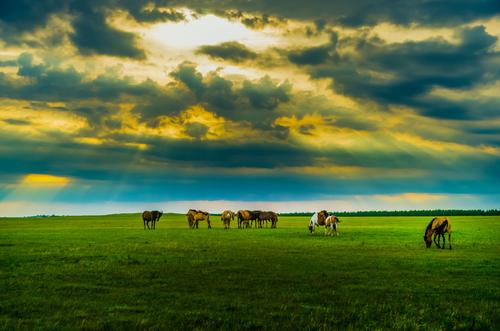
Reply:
x=111, y=106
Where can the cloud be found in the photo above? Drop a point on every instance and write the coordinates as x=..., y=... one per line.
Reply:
x=93, y=35
x=404, y=73
x=8, y=63
x=310, y=56
x=231, y=51
x=359, y=13
x=196, y=130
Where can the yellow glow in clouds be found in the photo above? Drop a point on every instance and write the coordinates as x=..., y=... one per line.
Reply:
x=206, y=30
x=45, y=180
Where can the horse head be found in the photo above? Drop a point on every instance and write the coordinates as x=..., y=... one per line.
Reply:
x=428, y=240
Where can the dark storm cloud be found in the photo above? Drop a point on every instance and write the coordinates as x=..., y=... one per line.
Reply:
x=8, y=63
x=404, y=73
x=94, y=36
x=311, y=55
x=196, y=130
x=231, y=51
x=26, y=15
x=46, y=82
x=252, y=21
x=181, y=167
x=14, y=121
x=255, y=102
x=92, y=33
x=361, y=12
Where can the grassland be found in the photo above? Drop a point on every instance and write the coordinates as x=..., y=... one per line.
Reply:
x=106, y=272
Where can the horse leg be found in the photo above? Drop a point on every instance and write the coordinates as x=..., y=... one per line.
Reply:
x=437, y=244
x=209, y=226
x=144, y=221
x=444, y=241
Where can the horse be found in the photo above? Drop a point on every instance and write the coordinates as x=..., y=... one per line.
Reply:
x=194, y=216
x=151, y=216
x=438, y=227
x=245, y=216
x=254, y=218
x=331, y=224
x=226, y=218
x=268, y=216
x=317, y=219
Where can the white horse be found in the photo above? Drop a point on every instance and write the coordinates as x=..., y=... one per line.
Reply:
x=331, y=224
x=317, y=219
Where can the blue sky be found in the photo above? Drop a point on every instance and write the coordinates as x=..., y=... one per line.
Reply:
x=109, y=106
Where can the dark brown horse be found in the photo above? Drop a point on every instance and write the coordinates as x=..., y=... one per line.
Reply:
x=438, y=227
x=151, y=216
x=194, y=216
x=268, y=216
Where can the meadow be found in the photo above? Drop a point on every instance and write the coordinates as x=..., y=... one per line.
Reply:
x=107, y=273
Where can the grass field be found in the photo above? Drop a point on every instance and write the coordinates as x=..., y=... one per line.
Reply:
x=106, y=272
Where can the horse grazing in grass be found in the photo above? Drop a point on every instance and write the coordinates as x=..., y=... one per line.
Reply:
x=317, y=219
x=438, y=227
x=194, y=216
x=245, y=216
x=226, y=218
x=268, y=216
x=331, y=224
x=151, y=216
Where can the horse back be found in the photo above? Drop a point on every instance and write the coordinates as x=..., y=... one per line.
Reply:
x=146, y=215
x=441, y=224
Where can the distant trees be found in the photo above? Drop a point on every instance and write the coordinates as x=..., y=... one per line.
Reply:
x=432, y=212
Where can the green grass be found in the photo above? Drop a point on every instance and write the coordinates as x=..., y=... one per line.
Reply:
x=106, y=272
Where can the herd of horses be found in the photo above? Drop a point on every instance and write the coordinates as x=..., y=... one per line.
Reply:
x=436, y=229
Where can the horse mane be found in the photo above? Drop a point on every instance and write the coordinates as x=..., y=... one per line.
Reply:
x=429, y=226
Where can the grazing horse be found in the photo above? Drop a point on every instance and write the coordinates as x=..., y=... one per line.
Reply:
x=194, y=216
x=226, y=218
x=317, y=219
x=151, y=216
x=268, y=216
x=331, y=224
x=438, y=227
x=245, y=216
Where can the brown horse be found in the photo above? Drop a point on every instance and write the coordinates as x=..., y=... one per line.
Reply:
x=226, y=218
x=318, y=219
x=438, y=227
x=151, y=216
x=331, y=224
x=245, y=216
x=268, y=216
x=194, y=216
